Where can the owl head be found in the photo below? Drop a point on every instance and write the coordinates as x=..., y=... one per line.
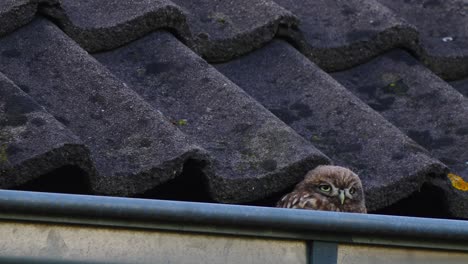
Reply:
x=330, y=188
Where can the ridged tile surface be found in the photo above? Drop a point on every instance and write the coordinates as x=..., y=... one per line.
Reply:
x=333, y=119
x=134, y=147
x=253, y=152
x=242, y=96
x=33, y=142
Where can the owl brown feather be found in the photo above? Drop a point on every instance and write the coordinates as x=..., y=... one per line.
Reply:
x=327, y=188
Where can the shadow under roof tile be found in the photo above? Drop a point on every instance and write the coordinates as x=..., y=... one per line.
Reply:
x=32, y=142
x=338, y=34
x=133, y=146
x=461, y=86
x=443, y=28
x=226, y=29
x=254, y=154
x=390, y=164
x=107, y=24
x=420, y=104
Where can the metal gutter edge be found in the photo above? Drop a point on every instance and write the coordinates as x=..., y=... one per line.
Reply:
x=233, y=220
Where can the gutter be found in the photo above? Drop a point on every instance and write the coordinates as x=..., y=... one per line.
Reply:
x=233, y=220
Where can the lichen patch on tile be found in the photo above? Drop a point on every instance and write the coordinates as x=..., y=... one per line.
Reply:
x=458, y=182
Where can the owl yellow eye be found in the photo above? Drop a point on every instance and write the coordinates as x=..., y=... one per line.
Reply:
x=352, y=191
x=325, y=188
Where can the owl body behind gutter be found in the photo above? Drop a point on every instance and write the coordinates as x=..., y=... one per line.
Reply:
x=327, y=188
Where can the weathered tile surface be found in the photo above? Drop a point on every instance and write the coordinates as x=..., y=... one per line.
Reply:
x=443, y=28
x=422, y=105
x=338, y=34
x=338, y=123
x=217, y=30
x=32, y=142
x=156, y=107
x=132, y=145
x=225, y=29
x=102, y=25
x=254, y=154
x=15, y=13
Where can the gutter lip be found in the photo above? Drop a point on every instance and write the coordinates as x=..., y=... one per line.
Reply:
x=230, y=219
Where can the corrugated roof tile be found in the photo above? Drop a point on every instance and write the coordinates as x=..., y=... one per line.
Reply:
x=341, y=34
x=133, y=146
x=443, y=30
x=333, y=119
x=33, y=142
x=16, y=13
x=103, y=25
x=149, y=107
x=419, y=103
x=254, y=154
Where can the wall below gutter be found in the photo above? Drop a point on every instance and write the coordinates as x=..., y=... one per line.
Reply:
x=44, y=225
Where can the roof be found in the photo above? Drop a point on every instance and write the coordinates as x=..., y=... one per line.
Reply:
x=239, y=98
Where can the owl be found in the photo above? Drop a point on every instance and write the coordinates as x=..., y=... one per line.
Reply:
x=327, y=188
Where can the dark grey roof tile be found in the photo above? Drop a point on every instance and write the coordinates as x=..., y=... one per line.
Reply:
x=254, y=154
x=16, y=13
x=206, y=119
x=225, y=29
x=133, y=146
x=103, y=25
x=422, y=105
x=334, y=34
x=333, y=119
x=221, y=30
x=339, y=34
x=32, y=142
x=443, y=28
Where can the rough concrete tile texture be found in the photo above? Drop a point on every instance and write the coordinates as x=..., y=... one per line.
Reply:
x=334, y=120
x=419, y=103
x=217, y=30
x=254, y=153
x=33, y=142
x=149, y=105
x=102, y=25
x=16, y=13
x=133, y=146
x=443, y=29
x=338, y=34
x=225, y=29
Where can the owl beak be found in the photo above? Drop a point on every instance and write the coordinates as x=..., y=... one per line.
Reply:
x=342, y=196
